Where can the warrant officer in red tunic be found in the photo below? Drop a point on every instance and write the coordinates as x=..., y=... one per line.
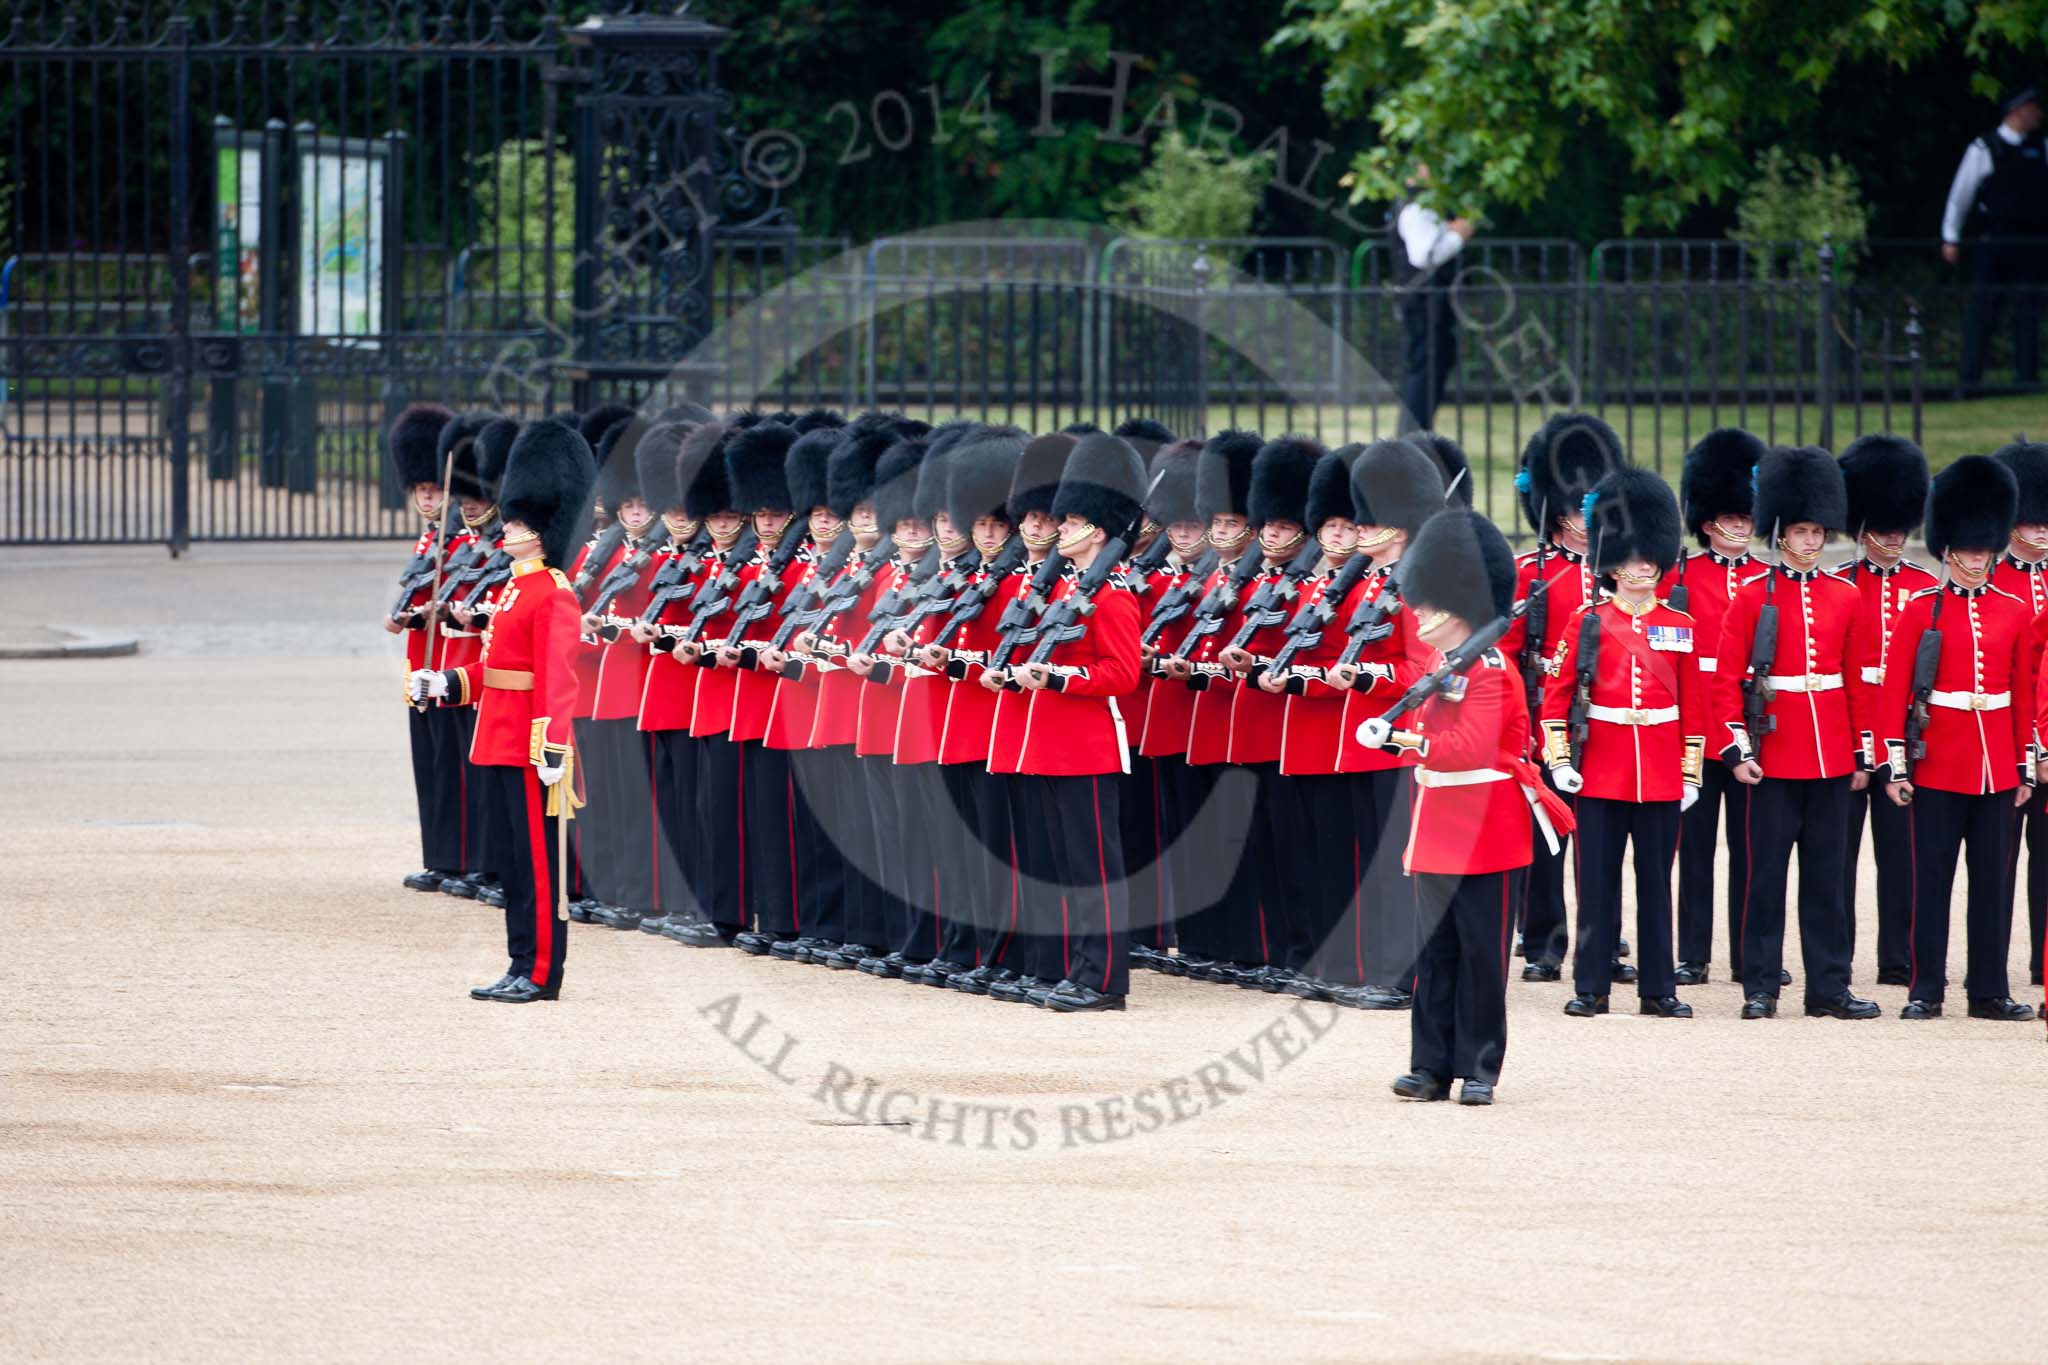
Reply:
x=1469, y=839
x=1624, y=734
x=1887, y=481
x=2023, y=572
x=1817, y=744
x=1716, y=496
x=1572, y=452
x=524, y=689
x=1960, y=757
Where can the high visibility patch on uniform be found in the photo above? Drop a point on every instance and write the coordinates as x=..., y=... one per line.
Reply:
x=1672, y=639
x=1454, y=687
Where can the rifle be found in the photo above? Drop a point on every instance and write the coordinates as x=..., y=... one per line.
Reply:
x=1456, y=661
x=971, y=603
x=810, y=592
x=1536, y=619
x=836, y=598
x=599, y=554
x=901, y=609
x=673, y=581
x=1763, y=650
x=1369, y=622
x=1067, y=619
x=714, y=594
x=1154, y=556
x=465, y=568
x=1305, y=631
x=419, y=573
x=1214, y=607
x=1181, y=598
x=759, y=598
x=1019, y=623
x=1578, y=719
x=1268, y=605
x=1926, y=660
x=627, y=574
x=493, y=571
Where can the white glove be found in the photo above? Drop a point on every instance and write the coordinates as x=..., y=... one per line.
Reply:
x=1567, y=780
x=428, y=683
x=1690, y=794
x=549, y=776
x=1375, y=733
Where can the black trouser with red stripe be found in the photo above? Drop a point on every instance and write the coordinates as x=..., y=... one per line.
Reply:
x=1327, y=844
x=770, y=800
x=597, y=833
x=436, y=785
x=536, y=932
x=1891, y=842
x=980, y=882
x=1980, y=828
x=1606, y=829
x=2030, y=827
x=1088, y=858
x=823, y=880
x=1812, y=813
x=1030, y=943
x=1723, y=804
x=721, y=815
x=623, y=805
x=1286, y=922
x=889, y=800
x=1141, y=815
x=675, y=786
x=1545, y=932
x=1389, y=931
x=469, y=793
x=1459, y=1024
x=839, y=804
x=1228, y=862
x=928, y=827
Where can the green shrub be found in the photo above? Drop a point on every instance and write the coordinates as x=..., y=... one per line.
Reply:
x=1191, y=192
x=1794, y=204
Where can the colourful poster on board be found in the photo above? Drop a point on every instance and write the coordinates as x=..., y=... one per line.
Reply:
x=238, y=231
x=341, y=258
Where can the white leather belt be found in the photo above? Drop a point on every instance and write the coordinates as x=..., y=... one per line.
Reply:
x=1634, y=715
x=1804, y=682
x=1971, y=701
x=1470, y=777
x=1873, y=676
x=1706, y=665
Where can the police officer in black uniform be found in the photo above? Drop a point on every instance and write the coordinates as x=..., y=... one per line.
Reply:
x=2001, y=193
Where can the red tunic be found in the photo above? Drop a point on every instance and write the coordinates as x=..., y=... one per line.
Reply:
x=793, y=716
x=1572, y=585
x=880, y=702
x=1884, y=594
x=839, y=691
x=1710, y=579
x=622, y=666
x=455, y=645
x=417, y=641
x=590, y=655
x=921, y=718
x=1646, y=736
x=970, y=707
x=1075, y=727
x=1012, y=708
x=1822, y=706
x=1470, y=814
x=1980, y=718
x=1209, y=716
x=712, y=712
x=755, y=690
x=1258, y=718
x=524, y=685
x=1165, y=707
x=1386, y=668
x=670, y=692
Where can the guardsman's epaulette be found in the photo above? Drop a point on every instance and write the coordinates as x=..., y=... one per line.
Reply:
x=1756, y=577
x=1526, y=557
x=2010, y=597
x=1493, y=658
x=561, y=579
x=1925, y=592
x=1675, y=611
x=1121, y=578
x=1840, y=571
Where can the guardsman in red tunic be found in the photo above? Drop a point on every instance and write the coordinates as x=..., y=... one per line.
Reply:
x=2023, y=573
x=982, y=901
x=1625, y=735
x=1161, y=715
x=1887, y=482
x=1817, y=742
x=1959, y=745
x=1469, y=835
x=413, y=439
x=1219, y=921
x=524, y=689
x=1075, y=738
x=1257, y=717
x=1572, y=452
x=1716, y=497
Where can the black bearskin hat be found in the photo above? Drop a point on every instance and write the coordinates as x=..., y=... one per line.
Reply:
x=818, y=419
x=618, y=471
x=1572, y=452
x=415, y=435
x=1329, y=487
x=548, y=477
x=929, y=498
x=896, y=481
x=1396, y=485
x=654, y=456
x=1451, y=462
x=600, y=419
x=2028, y=461
x=1280, y=475
x=1886, y=478
x=1144, y=435
x=1223, y=475
x=806, y=467
x=493, y=447
x=1460, y=563
x=1632, y=514
x=946, y=435
x=978, y=478
x=1799, y=483
x=1103, y=484
x=1719, y=479
x=1970, y=506
x=700, y=469
x=753, y=464
x=850, y=474
x=1172, y=481
x=458, y=437
x=1038, y=475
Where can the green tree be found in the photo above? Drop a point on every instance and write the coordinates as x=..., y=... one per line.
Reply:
x=1493, y=93
x=1187, y=191
x=1799, y=202
x=511, y=187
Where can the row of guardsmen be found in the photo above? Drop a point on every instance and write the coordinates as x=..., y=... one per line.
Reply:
x=1008, y=714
